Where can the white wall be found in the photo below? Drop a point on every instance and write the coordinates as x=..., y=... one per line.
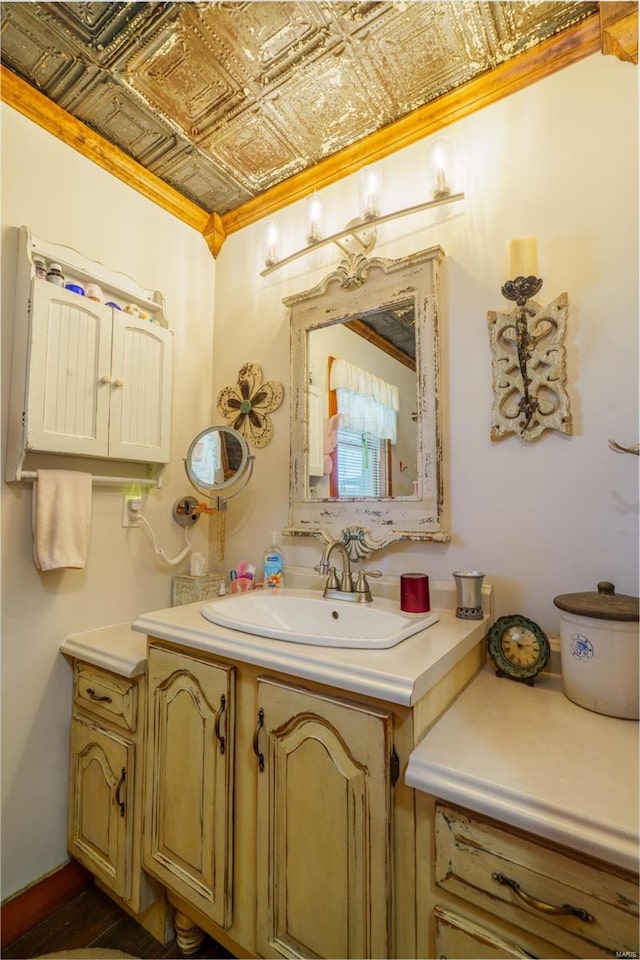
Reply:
x=65, y=198
x=558, y=161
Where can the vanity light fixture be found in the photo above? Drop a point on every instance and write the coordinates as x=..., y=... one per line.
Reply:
x=361, y=231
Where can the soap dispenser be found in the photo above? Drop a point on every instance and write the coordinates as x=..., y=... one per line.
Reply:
x=273, y=566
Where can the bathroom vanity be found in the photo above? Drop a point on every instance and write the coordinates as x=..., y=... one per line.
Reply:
x=276, y=814
x=308, y=801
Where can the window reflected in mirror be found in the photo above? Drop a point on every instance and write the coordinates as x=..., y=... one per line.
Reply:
x=361, y=405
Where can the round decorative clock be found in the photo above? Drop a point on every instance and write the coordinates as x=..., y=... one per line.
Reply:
x=518, y=648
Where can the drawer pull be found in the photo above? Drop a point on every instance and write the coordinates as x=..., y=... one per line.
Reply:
x=566, y=909
x=219, y=737
x=97, y=697
x=256, y=740
x=123, y=777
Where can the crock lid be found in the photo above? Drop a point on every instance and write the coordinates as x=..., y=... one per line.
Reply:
x=606, y=604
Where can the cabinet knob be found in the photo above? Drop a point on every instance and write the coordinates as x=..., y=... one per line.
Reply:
x=105, y=379
x=118, y=383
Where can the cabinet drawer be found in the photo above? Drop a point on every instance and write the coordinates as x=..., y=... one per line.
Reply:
x=106, y=695
x=529, y=884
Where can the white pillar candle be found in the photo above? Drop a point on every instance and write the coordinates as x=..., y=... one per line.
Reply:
x=522, y=258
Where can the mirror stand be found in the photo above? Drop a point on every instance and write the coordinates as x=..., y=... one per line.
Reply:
x=218, y=460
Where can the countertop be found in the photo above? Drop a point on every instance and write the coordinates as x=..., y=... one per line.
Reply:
x=531, y=758
x=116, y=648
x=400, y=674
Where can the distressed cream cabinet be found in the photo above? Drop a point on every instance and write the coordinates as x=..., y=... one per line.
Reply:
x=104, y=829
x=276, y=813
x=497, y=892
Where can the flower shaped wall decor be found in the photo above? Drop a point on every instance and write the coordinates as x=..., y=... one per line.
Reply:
x=250, y=404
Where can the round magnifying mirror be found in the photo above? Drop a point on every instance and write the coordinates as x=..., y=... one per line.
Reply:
x=216, y=459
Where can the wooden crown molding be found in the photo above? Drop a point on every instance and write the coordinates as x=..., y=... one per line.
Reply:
x=619, y=30
x=541, y=61
x=35, y=106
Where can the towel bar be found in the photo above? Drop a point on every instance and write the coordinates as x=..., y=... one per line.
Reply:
x=31, y=475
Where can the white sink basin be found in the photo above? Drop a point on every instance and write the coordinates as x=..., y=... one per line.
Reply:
x=304, y=616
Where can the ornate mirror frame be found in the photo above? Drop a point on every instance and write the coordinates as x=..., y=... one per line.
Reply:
x=359, y=286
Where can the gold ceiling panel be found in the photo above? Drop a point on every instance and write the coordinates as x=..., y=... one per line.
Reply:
x=224, y=100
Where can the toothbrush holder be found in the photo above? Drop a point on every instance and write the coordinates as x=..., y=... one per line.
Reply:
x=469, y=594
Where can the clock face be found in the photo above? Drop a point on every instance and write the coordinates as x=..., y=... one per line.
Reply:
x=518, y=647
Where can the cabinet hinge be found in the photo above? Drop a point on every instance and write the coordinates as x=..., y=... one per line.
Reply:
x=394, y=766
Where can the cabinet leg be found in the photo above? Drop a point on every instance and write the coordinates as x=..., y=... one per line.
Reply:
x=189, y=936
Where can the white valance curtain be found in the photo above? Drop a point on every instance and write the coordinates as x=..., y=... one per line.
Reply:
x=366, y=403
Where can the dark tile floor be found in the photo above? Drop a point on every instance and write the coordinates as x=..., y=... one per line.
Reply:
x=91, y=919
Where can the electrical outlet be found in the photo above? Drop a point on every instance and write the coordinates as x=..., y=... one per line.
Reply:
x=127, y=519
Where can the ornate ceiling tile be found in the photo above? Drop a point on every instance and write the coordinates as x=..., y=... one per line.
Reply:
x=202, y=179
x=325, y=106
x=255, y=150
x=184, y=78
x=223, y=100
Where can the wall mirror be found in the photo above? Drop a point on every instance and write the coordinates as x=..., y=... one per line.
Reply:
x=366, y=445
x=217, y=459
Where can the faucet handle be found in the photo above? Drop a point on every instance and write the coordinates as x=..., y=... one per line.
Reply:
x=362, y=587
x=332, y=580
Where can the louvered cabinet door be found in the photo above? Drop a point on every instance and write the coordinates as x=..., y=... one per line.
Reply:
x=189, y=783
x=100, y=825
x=324, y=826
x=69, y=373
x=141, y=372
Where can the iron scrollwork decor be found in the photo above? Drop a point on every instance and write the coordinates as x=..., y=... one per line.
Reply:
x=250, y=404
x=529, y=364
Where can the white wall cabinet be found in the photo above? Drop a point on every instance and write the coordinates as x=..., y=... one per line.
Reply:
x=98, y=380
x=88, y=380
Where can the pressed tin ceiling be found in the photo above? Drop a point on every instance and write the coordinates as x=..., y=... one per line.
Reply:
x=224, y=100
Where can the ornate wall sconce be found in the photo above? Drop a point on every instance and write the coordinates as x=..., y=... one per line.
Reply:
x=529, y=358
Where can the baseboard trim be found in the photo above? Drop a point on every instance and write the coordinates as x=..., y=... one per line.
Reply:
x=22, y=911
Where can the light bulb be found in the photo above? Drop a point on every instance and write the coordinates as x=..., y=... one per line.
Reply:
x=271, y=253
x=370, y=192
x=440, y=163
x=314, y=219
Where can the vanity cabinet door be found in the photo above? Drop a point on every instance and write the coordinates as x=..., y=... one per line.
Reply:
x=189, y=782
x=100, y=827
x=323, y=826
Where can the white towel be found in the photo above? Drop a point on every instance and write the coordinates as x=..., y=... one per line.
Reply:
x=61, y=519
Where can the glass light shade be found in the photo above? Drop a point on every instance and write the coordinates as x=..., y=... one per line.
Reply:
x=314, y=230
x=440, y=163
x=271, y=244
x=370, y=192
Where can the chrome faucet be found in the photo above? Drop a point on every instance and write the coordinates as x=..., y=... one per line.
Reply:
x=344, y=589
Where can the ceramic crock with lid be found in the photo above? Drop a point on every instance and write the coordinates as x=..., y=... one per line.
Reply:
x=599, y=648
